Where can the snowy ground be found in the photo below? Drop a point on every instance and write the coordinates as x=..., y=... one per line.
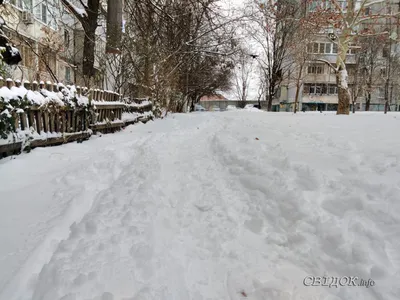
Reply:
x=207, y=206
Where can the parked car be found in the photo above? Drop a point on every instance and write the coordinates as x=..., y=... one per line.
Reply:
x=198, y=107
x=249, y=106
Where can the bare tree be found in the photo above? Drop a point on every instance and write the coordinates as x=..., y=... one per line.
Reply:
x=242, y=74
x=347, y=22
x=176, y=51
x=274, y=29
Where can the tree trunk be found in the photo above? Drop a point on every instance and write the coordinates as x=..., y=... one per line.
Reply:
x=270, y=98
x=114, y=26
x=343, y=93
x=298, y=85
x=90, y=26
x=368, y=101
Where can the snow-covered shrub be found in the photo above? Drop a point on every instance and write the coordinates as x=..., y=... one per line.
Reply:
x=10, y=104
x=19, y=100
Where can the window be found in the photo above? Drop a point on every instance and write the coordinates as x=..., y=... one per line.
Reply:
x=385, y=51
x=328, y=48
x=343, y=5
x=310, y=48
x=28, y=57
x=44, y=14
x=17, y=3
x=315, y=48
x=68, y=74
x=316, y=88
x=313, y=6
x=22, y=4
x=367, y=11
x=322, y=48
x=315, y=69
x=47, y=58
x=332, y=89
x=334, y=48
x=66, y=38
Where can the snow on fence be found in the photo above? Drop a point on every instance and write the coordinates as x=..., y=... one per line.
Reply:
x=41, y=114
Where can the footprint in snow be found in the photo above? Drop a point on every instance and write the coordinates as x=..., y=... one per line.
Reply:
x=203, y=208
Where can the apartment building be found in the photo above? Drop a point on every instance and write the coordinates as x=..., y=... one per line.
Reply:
x=50, y=40
x=319, y=88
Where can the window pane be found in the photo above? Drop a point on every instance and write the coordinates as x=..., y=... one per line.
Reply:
x=321, y=47
x=316, y=47
x=310, y=48
x=44, y=13
x=328, y=48
x=335, y=48
x=68, y=73
x=28, y=5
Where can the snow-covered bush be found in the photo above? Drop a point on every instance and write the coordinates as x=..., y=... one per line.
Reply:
x=10, y=104
x=19, y=100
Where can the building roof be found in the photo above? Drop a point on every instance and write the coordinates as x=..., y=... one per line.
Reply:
x=216, y=97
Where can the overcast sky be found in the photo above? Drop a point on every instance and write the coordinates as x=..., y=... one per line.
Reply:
x=232, y=7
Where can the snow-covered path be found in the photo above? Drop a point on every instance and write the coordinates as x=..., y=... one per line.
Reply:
x=207, y=206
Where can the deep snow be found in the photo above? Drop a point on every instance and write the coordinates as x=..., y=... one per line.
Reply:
x=207, y=206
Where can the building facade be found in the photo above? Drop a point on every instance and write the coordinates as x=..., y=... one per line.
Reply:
x=318, y=84
x=51, y=42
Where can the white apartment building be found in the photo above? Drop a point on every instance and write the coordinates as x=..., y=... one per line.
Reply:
x=50, y=40
x=319, y=89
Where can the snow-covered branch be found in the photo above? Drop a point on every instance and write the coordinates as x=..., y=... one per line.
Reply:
x=79, y=13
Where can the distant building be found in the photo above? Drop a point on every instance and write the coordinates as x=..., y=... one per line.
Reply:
x=319, y=89
x=216, y=97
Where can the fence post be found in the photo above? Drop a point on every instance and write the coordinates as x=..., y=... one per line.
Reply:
x=9, y=83
x=27, y=85
x=35, y=85
x=49, y=86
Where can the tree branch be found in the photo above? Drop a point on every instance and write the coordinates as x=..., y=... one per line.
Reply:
x=73, y=9
x=328, y=63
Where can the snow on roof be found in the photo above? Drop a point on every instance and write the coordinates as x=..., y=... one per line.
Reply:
x=217, y=97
